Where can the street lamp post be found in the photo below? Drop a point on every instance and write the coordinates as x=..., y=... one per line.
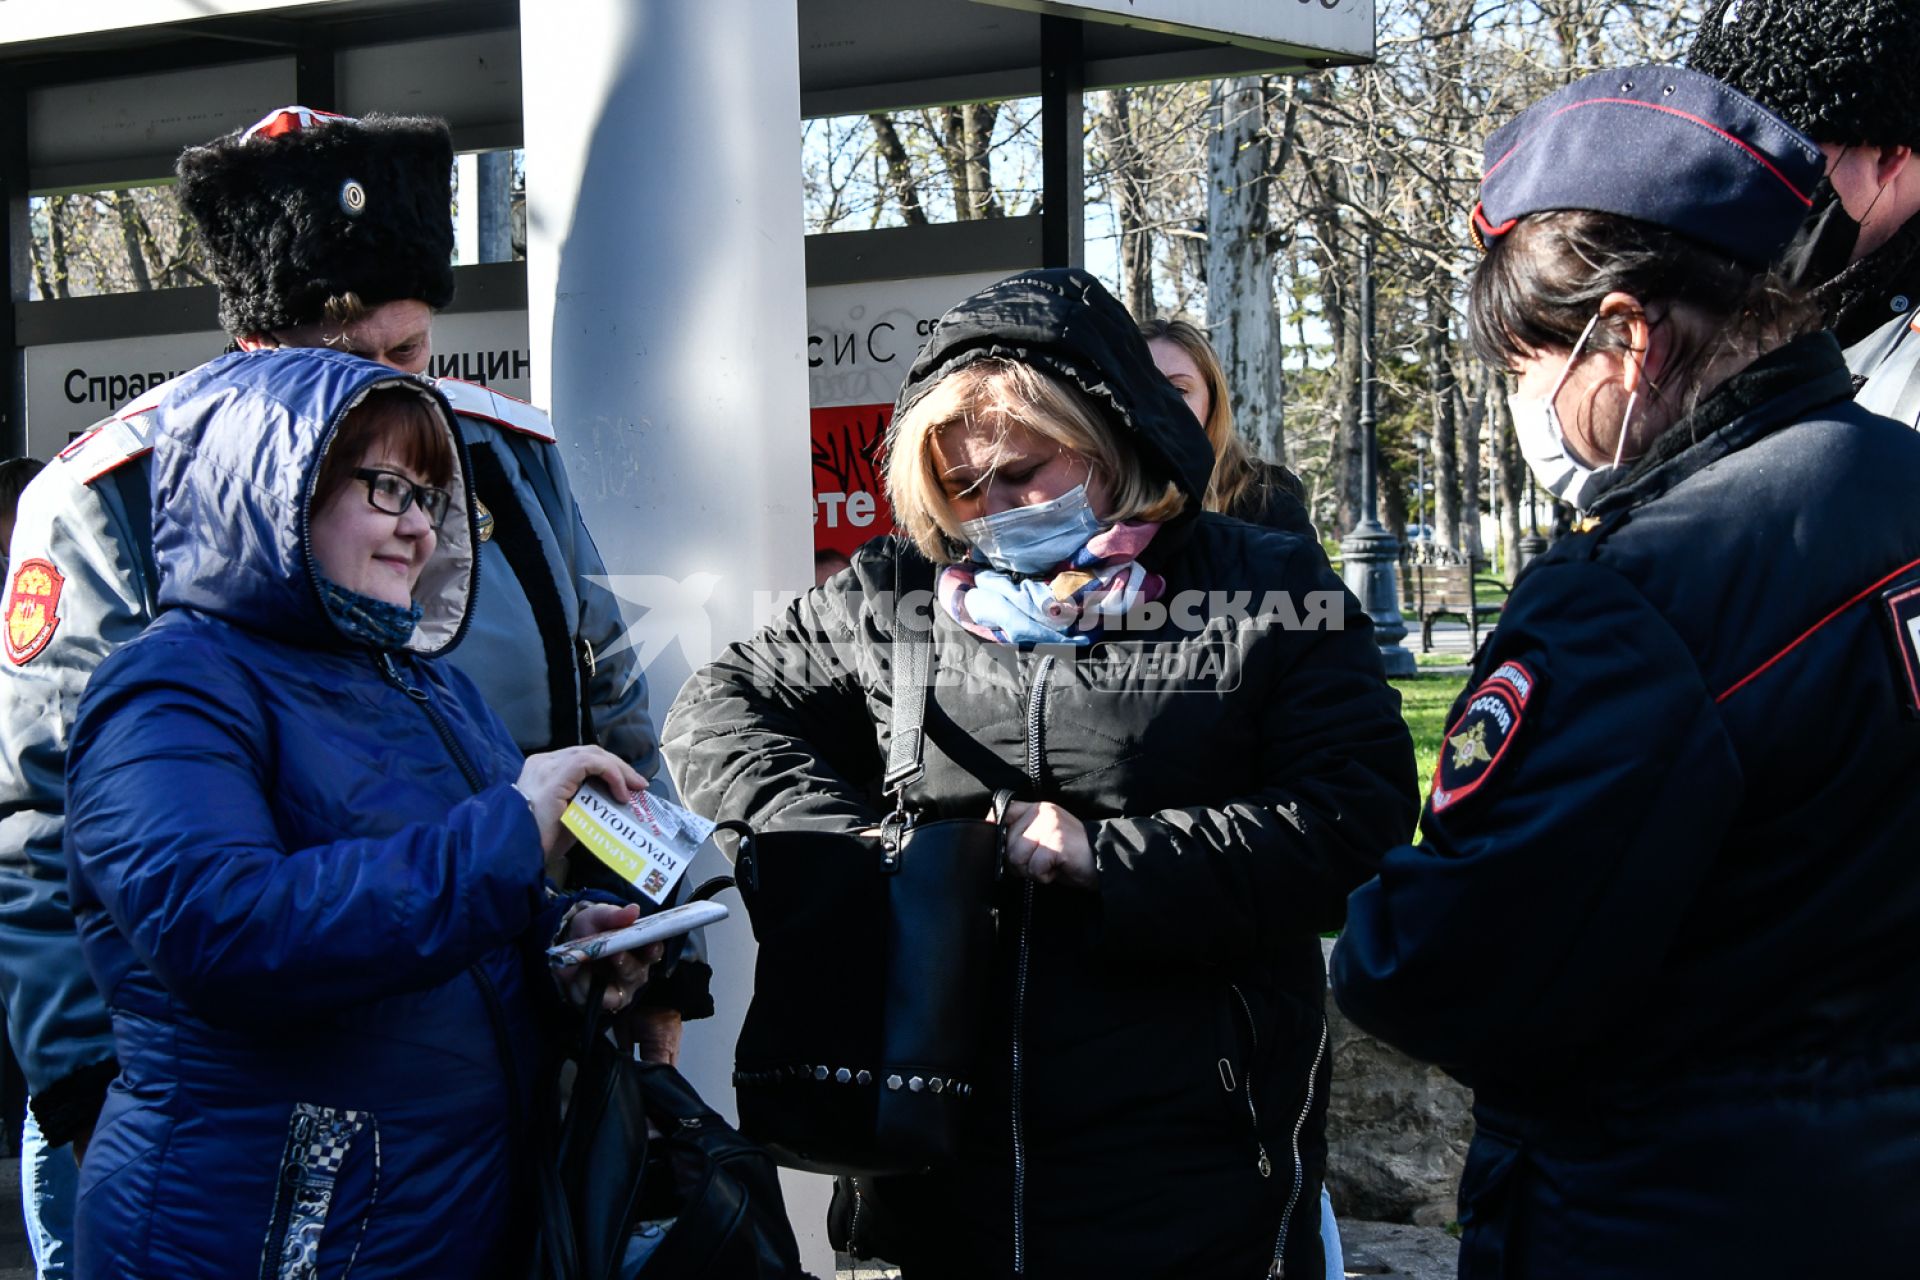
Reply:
x=1369, y=553
x=1532, y=544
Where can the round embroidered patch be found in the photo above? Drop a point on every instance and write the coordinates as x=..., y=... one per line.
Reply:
x=33, y=604
x=1479, y=739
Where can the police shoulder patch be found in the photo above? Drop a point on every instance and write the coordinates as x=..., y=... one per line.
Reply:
x=33, y=609
x=1478, y=740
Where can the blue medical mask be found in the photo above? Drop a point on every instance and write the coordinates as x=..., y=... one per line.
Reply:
x=1036, y=537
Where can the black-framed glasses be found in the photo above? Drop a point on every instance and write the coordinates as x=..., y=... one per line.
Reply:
x=393, y=493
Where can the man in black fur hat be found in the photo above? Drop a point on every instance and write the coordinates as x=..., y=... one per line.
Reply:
x=323, y=230
x=1846, y=73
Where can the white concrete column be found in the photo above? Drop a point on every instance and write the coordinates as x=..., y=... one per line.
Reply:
x=666, y=298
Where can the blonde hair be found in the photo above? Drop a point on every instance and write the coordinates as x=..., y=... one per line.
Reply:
x=999, y=395
x=1234, y=473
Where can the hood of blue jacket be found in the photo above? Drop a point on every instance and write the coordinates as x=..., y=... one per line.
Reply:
x=237, y=448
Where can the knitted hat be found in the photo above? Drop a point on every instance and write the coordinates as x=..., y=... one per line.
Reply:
x=1841, y=71
x=306, y=205
x=1661, y=145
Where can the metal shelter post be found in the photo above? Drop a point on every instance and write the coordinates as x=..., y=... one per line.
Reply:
x=1063, y=181
x=16, y=263
x=667, y=316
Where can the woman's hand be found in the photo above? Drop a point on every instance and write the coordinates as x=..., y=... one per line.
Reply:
x=549, y=780
x=1046, y=844
x=625, y=971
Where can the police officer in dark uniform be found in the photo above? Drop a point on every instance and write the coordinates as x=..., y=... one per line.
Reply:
x=1665, y=918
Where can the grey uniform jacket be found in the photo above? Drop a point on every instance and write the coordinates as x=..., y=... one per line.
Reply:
x=1889, y=359
x=82, y=583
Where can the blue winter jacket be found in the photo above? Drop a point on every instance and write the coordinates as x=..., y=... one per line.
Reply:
x=303, y=882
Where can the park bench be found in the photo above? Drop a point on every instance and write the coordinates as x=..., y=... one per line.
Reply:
x=1436, y=591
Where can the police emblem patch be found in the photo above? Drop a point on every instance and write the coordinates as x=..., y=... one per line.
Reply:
x=33, y=609
x=1479, y=739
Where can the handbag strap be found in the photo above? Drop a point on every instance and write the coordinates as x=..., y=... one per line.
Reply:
x=906, y=748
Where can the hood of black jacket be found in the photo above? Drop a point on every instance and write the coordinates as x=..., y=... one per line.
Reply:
x=1064, y=322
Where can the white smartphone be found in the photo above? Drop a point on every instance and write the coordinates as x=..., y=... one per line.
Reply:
x=662, y=924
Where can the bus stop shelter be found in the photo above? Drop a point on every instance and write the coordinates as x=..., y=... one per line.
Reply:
x=662, y=311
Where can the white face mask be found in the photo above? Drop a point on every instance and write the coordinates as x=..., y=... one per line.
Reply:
x=1543, y=443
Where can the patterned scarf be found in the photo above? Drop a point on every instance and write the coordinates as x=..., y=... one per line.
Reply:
x=374, y=622
x=1071, y=605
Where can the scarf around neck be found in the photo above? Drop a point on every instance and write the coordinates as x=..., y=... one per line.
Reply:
x=370, y=621
x=1070, y=605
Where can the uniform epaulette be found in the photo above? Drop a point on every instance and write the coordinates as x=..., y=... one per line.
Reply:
x=476, y=401
x=128, y=434
x=109, y=446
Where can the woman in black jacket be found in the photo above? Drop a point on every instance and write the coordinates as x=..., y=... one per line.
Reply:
x=1665, y=916
x=1241, y=485
x=1193, y=711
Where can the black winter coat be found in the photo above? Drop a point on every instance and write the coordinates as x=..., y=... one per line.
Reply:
x=1666, y=915
x=1170, y=1027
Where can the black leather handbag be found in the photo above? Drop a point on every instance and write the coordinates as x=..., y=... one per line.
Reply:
x=871, y=990
x=721, y=1193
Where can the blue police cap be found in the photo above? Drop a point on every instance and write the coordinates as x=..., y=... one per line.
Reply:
x=1663, y=145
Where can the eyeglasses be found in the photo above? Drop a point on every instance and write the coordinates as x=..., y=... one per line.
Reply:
x=393, y=493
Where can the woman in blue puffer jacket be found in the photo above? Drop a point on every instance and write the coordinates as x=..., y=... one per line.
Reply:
x=308, y=861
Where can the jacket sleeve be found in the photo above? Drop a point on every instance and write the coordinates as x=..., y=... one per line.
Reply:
x=1551, y=884
x=236, y=925
x=55, y=1019
x=776, y=731
x=1338, y=764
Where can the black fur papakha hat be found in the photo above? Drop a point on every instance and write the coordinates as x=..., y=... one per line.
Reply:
x=1841, y=71
x=307, y=205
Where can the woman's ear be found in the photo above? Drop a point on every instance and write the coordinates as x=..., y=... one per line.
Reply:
x=1647, y=345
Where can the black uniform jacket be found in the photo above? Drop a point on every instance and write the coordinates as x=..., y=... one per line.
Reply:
x=1236, y=783
x=1666, y=915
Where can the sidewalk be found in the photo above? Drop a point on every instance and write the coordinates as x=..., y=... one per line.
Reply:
x=1451, y=640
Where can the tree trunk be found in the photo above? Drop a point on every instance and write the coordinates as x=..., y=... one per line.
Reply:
x=1240, y=308
x=1473, y=415
x=1129, y=185
x=1513, y=475
x=1444, y=461
x=130, y=236
x=57, y=245
x=899, y=169
x=976, y=140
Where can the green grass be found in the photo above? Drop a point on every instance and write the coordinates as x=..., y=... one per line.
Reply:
x=1424, y=702
x=1441, y=660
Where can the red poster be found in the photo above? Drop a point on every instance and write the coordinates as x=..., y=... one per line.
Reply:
x=849, y=501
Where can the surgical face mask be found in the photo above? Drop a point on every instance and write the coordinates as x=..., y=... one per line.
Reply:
x=1036, y=537
x=1543, y=443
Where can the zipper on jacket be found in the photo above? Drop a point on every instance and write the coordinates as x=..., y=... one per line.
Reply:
x=1264, y=1164
x=1279, y=1269
x=440, y=726
x=1036, y=761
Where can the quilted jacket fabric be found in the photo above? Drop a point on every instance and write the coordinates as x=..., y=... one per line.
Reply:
x=304, y=884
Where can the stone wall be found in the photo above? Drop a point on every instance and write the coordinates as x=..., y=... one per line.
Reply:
x=1397, y=1131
